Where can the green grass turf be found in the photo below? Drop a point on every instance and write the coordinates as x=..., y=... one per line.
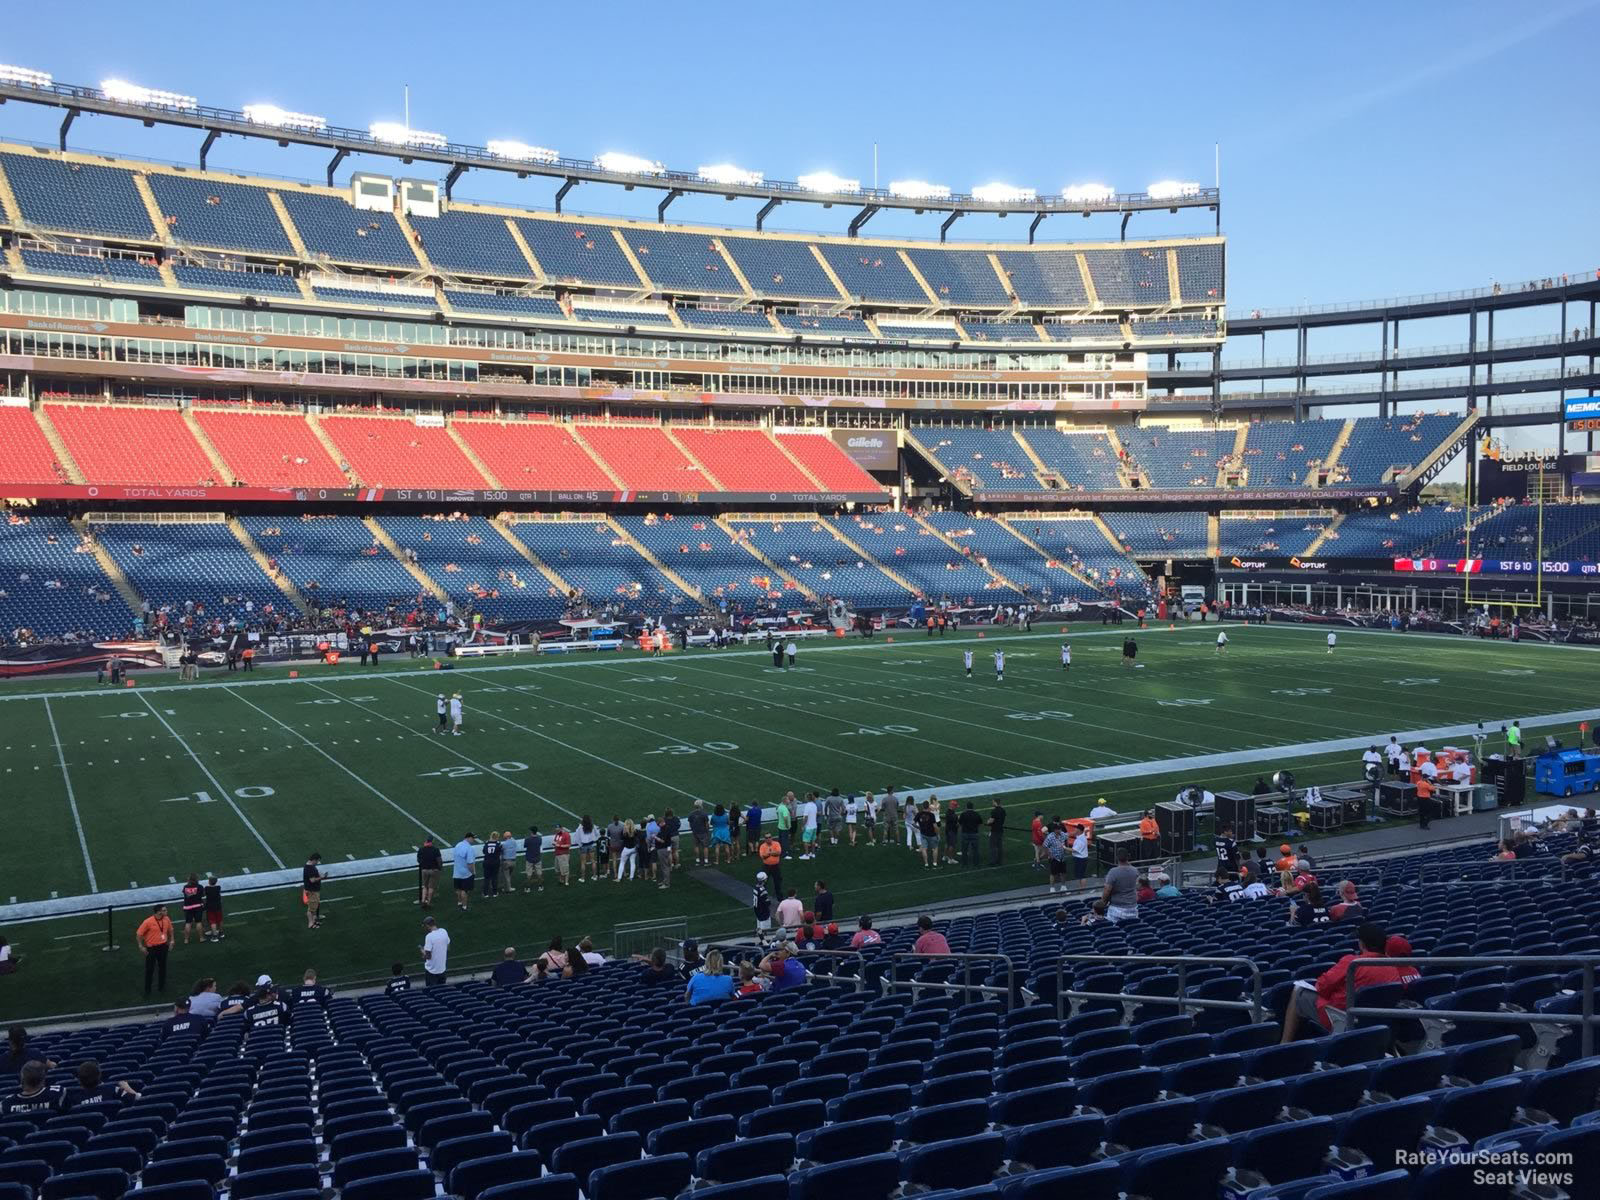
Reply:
x=169, y=779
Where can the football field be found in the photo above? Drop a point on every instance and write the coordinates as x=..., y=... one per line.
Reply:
x=109, y=789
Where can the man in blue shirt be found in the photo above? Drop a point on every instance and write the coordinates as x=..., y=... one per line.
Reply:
x=786, y=970
x=463, y=870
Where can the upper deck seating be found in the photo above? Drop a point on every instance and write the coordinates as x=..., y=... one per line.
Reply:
x=504, y=303
x=780, y=267
x=1281, y=453
x=121, y=444
x=873, y=273
x=217, y=215
x=960, y=277
x=1084, y=461
x=266, y=449
x=77, y=197
x=1380, y=447
x=576, y=252
x=331, y=225
x=1179, y=458
x=985, y=459
x=397, y=453
x=683, y=262
x=534, y=454
x=743, y=460
x=1045, y=278
x=645, y=458
x=833, y=467
x=1130, y=275
x=468, y=242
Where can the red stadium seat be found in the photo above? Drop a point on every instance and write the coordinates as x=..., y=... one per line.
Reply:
x=122, y=444
x=270, y=449
x=394, y=452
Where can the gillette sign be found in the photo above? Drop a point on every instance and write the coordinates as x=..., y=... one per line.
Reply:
x=873, y=449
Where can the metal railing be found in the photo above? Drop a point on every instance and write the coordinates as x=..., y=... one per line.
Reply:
x=1181, y=1002
x=1495, y=289
x=735, y=952
x=1441, y=1018
x=968, y=961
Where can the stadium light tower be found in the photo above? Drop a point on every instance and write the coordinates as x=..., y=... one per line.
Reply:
x=124, y=92
x=25, y=77
x=828, y=183
x=729, y=174
x=1003, y=193
x=281, y=118
x=628, y=164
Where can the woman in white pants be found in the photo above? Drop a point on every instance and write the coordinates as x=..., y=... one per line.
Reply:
x=628, y=860
x=911, y=824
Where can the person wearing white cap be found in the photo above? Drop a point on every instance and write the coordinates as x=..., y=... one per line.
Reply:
x=761, y=902
x=455, y=714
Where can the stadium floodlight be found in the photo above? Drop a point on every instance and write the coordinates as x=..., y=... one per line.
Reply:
x=521, y=151
x=1003, y=193
x=26, y=76
x=729, y=174
x=1087, y=193
x=828, y=182
x=918, y=189
x=1172, y=189
x=282, y=118
x=628, y=164
x=131, y=93
x=397, y=134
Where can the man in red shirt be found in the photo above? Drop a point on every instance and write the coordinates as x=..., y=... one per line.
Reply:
x=930, y=940
x=1308, y=1005
x=561, y=845
x=1036, y=831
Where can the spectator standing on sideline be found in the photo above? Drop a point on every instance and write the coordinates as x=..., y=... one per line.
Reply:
x=1080, y=853
x=154, y=939
x=429, y=862
x=194, y=906
x=761, y=904
x=532, y=866
x=491, y=866
x=435, y=952
x=311, y=890
x=971, y=822
x=997, y=833
x=508, y=862
x=462, y=869
x=213, y=903
x=929, y=940
x=561, y=848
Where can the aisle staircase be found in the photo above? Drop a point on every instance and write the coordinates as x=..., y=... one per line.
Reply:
x=278, y=576
x=1006, y=524
x=113, y=572
x=429, y=584
x=773, y=569
x=644, y=552
x=504, y=530
x=57, y=445
x=716, y=484
x=859, y=552
x=472, y=456
x=976, y=560
x=218, y=463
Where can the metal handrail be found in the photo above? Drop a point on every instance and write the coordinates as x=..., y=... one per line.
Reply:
x=915, y=985
x=735, y=952
x=1183, y=962
x=1584, y=1020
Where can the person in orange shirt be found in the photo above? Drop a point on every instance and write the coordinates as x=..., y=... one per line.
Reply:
x=154, y=939
x=771, y=852
x=1147, y=829
x=1424, y=801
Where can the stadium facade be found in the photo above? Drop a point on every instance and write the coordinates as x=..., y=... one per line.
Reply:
x=253, y=392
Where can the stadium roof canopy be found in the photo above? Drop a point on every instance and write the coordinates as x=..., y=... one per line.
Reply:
x=151, y=106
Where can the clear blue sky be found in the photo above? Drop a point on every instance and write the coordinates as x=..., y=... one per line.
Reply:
x=1368, y=149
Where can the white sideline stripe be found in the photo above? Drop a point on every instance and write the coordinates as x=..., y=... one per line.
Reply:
x=353, y=775
x=70, y=905
x=1200, y=762
x=848, y=646
x=222, y=793
x=72, y=799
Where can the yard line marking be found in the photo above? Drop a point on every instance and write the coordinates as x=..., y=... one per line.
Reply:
x=443, y=745
x=67, y=937
x=222, y=792
x=857, y=646
x=72, y=799
x=565, y=745
x=689, y=708
x=245, y=912
x=408, y=816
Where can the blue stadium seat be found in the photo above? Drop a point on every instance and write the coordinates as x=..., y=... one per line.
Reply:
x=747, y=1158
x=1178, y=1172
x=472, y=1177
x=963, y=1161
x=666, y=1175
